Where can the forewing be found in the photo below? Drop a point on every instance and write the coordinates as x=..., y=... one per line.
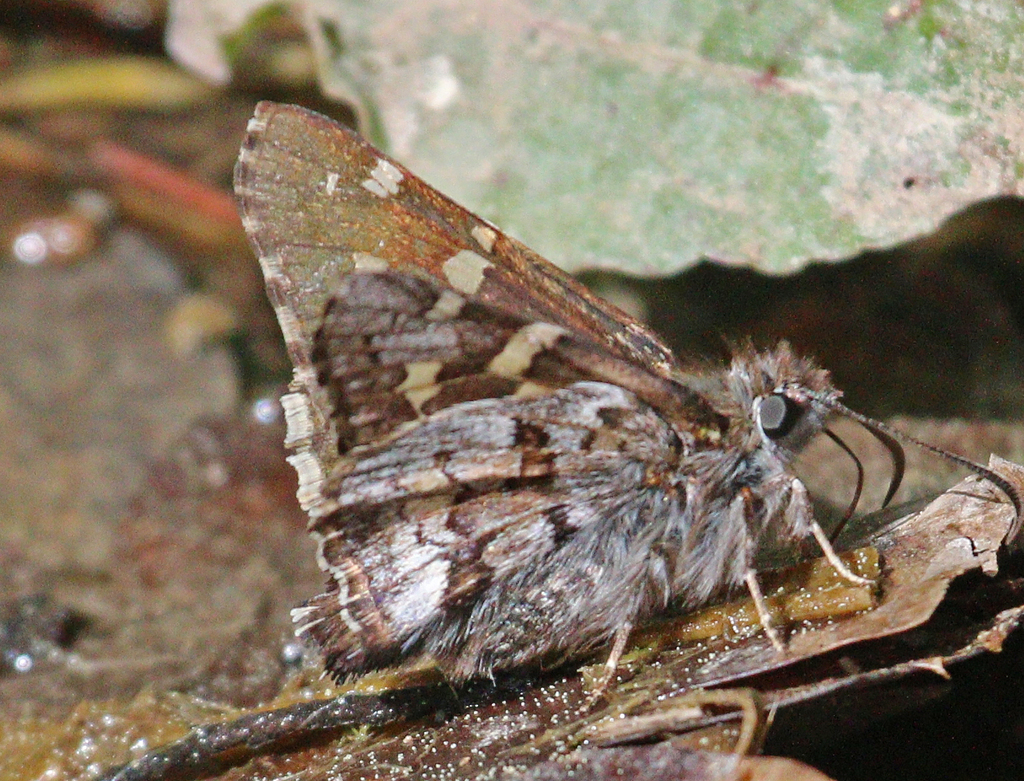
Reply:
x=394, y=349
x=470, y=499
x=318, y=202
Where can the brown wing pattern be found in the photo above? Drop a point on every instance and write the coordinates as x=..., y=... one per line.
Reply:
x=481, y=508
x=394, y=349
x=318, y=202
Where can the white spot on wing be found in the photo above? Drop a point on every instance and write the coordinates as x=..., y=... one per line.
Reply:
x=465, y=271
x=420, y=374
x=299, y=435
x=420, y=396
x=448, y=305
x=332, y=183
x=375, y=187
x=417, y=602
x=484, y=236
x=384, y=179
x=523, y=347
x=418, y=384
x=530, y=390
x=364, y=261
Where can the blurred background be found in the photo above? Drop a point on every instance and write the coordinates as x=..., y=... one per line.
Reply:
x=845, y=178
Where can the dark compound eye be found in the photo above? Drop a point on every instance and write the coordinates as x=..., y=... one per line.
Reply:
x=778, y=415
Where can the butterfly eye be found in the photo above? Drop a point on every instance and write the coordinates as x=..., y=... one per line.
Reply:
x=777, y=415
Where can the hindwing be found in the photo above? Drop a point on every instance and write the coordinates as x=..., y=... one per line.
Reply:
x=480, y=508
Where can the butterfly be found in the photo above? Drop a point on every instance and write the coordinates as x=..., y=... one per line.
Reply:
x=500, y=468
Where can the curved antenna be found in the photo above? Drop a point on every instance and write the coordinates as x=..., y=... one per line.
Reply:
x=860, y=484
x=890, y=437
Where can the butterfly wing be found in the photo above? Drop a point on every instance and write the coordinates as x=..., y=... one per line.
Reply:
x=496, y=532
x=486, y=458
x=393, y=349
x=485, y=449
x=318, y=202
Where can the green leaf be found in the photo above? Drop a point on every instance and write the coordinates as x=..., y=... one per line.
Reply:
x=644, y=135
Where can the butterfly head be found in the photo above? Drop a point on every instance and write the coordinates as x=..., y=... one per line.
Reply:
x=788, y=400
x=781, y=399
x=784, y=402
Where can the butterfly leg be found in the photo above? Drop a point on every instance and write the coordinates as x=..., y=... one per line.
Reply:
x=744, y=504
x=763, y=613
x=799, y=504
x=619, y=642
x=833, y=558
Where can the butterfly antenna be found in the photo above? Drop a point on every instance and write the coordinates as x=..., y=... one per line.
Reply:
x=860, y=484
x=891, y=438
